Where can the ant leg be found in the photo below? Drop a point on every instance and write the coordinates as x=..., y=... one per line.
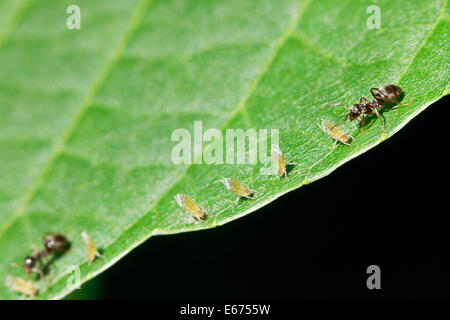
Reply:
x=381, y=121
x=401, y=104
x=362, y=122
x=363, y=98
x=371, y=91
x=337, y=104
x=35, y=249
x=404, y=104
x=39, y=271
x=338, y=124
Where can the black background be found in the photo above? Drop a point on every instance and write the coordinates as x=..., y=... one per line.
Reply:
x=387, y=207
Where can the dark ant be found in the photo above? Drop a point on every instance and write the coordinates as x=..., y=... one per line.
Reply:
x=52, y=243
x=387, y=94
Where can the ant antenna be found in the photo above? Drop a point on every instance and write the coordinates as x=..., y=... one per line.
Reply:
x=337, y=104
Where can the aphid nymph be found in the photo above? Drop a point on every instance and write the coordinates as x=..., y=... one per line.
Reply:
x=189, y=205
x=234, y=186
x=91, y=250
x=278, y=160
x=387, y=94
x=333, y=131
x=20, y=285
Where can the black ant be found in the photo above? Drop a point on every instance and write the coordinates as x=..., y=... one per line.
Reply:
x=387, y=94
x=52, y=243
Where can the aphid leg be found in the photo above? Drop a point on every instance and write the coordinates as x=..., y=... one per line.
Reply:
x=251, y=195
x=204, y=214
x=343, y=121
x=237, y=200
x=229, y=201
x=334, y=144
x=320, y=126
x=381, y=121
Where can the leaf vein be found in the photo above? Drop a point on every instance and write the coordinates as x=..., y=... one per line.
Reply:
x=136, y=18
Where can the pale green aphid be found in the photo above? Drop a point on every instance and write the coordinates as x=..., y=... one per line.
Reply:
x=234, y=186
x=91, y=250
x=278, y=160
x=189, y=205
x=333, y=131
x=20, y=285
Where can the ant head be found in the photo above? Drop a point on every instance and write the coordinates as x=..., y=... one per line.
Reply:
x=29, y=263
x=354, y=112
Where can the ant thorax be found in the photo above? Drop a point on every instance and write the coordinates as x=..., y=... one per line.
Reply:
x=365, y=107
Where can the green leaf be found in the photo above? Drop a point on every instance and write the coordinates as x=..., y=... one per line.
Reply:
x=86, y=116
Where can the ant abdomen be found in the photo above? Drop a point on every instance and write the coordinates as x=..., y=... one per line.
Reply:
x=56, y=242
x=389, y=93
